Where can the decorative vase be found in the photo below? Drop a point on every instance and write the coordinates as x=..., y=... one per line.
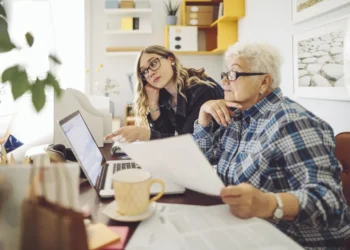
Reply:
x=171, y=20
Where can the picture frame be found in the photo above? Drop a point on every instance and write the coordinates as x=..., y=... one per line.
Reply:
x=319, y=63
x=306, y=9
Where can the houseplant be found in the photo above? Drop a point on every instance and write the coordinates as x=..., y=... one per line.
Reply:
x=172, y=9
x=17, y=76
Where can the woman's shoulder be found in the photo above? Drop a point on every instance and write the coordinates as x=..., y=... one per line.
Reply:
x=211, y=86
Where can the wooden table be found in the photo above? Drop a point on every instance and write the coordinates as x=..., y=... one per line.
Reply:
x=89, y=197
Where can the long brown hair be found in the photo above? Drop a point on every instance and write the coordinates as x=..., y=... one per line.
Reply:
x=185, y=78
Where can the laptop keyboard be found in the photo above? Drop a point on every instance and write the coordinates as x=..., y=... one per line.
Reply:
x=124, y=165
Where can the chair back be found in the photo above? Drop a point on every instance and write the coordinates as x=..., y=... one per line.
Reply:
x=342, y=152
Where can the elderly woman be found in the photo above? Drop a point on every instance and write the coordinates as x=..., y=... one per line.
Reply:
x=275, y=157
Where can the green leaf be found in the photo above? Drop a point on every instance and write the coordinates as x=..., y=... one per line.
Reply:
x=38, y=94
x=55, y=59
x=5, y=42
x=19, y=82
x=30, y=39
x=51, y=81
x=2, y=10
x=8, y=73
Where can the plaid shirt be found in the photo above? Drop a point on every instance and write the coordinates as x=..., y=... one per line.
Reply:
x=278, y=146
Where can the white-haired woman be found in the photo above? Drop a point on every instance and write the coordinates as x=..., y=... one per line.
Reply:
x=275, y=157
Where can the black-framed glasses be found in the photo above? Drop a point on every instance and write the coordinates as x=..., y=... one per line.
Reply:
x=233, y=75
x=153, y=65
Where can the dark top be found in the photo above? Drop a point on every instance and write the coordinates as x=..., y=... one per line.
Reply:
x=186, y=113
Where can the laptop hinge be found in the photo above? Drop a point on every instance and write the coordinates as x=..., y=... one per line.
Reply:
x=103, y=176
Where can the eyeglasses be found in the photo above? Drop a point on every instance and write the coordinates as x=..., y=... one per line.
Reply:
x=233, y=75
x=153, y=65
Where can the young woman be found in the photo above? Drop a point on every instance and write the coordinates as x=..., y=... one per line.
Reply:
x=168, y=96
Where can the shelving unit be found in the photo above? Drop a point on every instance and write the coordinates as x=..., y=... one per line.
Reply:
x=222, y=32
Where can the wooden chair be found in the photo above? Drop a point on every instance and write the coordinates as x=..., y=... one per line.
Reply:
x=342, y=152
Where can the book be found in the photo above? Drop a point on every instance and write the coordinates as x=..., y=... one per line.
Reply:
x=136, y=23
x=126, y=23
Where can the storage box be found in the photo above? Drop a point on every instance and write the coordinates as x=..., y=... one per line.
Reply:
x=200, y=19
x=111, y=4
x=183, y=38
x=127, y=4
x=126, y=23
x=199, y=8
x=142, y=4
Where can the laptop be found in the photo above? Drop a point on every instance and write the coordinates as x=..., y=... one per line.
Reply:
x=97, y=170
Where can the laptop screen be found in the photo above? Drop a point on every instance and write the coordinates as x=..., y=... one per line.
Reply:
x=84, y=146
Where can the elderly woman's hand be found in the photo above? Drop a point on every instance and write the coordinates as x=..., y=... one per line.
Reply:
x=130, y=134
x=217, y=109
x=246, y=201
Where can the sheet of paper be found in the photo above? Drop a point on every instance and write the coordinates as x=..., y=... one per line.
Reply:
x=178, y=158
x=182, y=227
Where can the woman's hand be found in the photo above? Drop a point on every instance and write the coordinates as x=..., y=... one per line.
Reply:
x=246, y=201
x=217, y=109
x=153, y=96
x=131, y=134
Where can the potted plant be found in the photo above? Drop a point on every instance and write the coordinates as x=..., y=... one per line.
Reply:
x=17, y=76
x=172, y=9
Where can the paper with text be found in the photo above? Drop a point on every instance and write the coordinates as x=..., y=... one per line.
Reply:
x=180, y=159
x=184, y=227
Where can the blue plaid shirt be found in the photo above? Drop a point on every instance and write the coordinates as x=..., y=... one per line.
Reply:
x=278, y=146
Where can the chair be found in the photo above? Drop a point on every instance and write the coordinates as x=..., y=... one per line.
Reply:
x=342, y=152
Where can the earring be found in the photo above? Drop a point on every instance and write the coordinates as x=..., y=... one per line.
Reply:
x=173, y=63
x=261, y=92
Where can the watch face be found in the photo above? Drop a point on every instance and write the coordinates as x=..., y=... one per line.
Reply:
x=279, y=213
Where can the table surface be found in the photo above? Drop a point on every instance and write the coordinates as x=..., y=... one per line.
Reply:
x=89, y=197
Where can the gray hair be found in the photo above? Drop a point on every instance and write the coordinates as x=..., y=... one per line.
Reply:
x=261, y=57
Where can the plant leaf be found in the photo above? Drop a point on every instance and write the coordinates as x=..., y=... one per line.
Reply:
x=5, y=42
x=38, y=94
x=2, y=10
x=30, y=39
x=51, y=81
x=55, y=59
x=7, y=74
x=19, y=81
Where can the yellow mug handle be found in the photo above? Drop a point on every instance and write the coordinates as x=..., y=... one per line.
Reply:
x=158, y=196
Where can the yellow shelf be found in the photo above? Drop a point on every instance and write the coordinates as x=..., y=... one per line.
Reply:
x=224, y=18
x=213, y=52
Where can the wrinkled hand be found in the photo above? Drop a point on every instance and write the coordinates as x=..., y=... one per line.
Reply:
x=217, y=109
x=246, y=201
x=130, y=134
x=152, y=95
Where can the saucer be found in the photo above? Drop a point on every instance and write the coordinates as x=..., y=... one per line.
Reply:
x=111, y=212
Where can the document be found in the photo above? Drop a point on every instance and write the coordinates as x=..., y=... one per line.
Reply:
x=186, y=227
x=179, y=159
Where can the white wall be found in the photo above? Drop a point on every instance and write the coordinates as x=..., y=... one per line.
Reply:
x=270, y=20
x=117, y=67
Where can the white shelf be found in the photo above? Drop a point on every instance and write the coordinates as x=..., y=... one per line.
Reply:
x=129, y=32
x=122, y=53
x=120, y=11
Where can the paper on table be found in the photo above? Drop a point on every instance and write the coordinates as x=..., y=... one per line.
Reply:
x=180, y=159
x=180, y=227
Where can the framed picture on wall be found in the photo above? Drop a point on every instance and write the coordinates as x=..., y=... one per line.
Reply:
x=306, y=9
x=318, y=60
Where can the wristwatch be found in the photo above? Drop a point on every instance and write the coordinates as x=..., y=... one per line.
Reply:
x=278, y=213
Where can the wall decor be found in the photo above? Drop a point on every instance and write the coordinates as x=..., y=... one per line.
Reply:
x=306, y=9
x=318, y=60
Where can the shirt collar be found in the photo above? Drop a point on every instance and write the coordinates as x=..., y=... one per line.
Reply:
x=257, y=110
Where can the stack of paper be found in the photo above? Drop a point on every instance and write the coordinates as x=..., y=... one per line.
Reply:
x=180, y=227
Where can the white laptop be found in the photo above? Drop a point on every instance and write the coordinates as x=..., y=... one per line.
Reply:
x=97, y=170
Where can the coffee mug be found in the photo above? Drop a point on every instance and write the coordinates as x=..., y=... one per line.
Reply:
x=132, y=191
